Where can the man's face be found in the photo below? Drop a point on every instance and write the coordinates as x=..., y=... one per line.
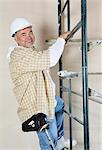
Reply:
x=25, y=37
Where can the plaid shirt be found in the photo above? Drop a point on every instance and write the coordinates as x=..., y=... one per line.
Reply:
x=33, y=86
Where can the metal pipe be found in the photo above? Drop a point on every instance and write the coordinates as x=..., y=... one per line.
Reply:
x=78, y=120
x=93, y=99
x=75, y=118
x=74, y=30
x=85, y=73
x=95, y=73
x=64, y=6
x=64, y=89
x=59, y=17
x=70, y=111
x=59, y=33
x=68, y=14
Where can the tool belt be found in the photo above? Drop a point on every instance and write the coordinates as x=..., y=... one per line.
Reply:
x=35, y=123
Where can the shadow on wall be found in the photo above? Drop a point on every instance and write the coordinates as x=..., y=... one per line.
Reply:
x=46, y=32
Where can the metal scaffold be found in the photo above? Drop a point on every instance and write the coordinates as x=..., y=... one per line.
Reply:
x=86, y=91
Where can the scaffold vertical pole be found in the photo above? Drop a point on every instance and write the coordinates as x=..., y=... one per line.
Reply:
x=59, y=33
x=68, y=15
x=70, y=112
x=85, y=73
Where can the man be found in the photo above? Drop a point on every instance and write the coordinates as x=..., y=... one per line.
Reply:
x=33, y=86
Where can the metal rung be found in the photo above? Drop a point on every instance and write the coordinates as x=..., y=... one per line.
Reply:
x=75, y=118
x=95, y=73
x=94, y=93
x=91, y=42
x=64, y=89
x=67, y=74
x=77, y=42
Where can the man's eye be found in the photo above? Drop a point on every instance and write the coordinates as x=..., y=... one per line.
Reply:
x=23, y=34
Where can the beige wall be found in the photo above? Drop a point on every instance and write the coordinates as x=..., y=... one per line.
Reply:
x=43, y=14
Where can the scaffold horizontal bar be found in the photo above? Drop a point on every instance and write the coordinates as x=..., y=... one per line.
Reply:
x=76, y=93
x=95, y=73
x=75, y=118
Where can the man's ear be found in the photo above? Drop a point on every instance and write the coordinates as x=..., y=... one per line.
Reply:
x=15, y=38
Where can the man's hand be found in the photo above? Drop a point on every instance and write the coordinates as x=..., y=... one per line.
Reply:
x=64, y=35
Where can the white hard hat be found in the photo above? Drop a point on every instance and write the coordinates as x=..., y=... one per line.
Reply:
x=19, y=24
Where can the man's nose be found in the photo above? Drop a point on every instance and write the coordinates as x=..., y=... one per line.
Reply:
x=29, y=36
